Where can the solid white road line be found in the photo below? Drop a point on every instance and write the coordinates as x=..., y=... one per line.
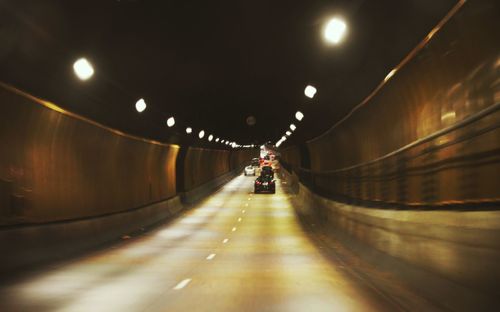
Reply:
x=182, y=284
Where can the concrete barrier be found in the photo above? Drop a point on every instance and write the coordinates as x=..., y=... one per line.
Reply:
x=30, y=245
x=450, y=257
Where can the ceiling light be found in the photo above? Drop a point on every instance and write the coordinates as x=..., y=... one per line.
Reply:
x=299, y=115
x=201, y=134
x=140, y=105
x=293, y=127
x=335, y=30
x=288, y=133
x=171, y=122
x=83, y=69
x=189, y=130
x=217, y=140
x=210, y=138
x=310, y=91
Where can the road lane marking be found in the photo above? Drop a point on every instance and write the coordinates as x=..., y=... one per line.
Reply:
x=182, y=284
x=234, y=229
x=210, y=256
x=225, y=240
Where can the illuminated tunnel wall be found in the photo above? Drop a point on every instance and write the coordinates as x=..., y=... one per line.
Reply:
x=57, y=166
x=430, y=136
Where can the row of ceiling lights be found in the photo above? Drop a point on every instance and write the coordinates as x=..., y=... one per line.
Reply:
x=334, y=32
x=84, y=71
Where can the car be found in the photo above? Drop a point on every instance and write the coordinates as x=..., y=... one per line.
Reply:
x=267, y=171
x=264, y=184
x=255, y=162
x=249, y=170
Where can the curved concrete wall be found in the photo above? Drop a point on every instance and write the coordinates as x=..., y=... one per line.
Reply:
x=57, y=166
x=450, y=257
x=242, y=157
x=291, y=156
x=429, y=135
x=202, y=165
x=68, y=184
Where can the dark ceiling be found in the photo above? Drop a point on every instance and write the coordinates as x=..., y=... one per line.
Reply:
x=210, y=64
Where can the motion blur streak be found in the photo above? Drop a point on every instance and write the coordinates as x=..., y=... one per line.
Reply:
x=268, y=264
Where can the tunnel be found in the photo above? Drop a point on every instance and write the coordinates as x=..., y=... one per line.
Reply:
x=133, y=134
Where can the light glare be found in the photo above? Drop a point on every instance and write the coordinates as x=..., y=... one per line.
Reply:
x=335, y=30
x=83, y=69
x=171, y=122
x=140, y=105
x=310, y=91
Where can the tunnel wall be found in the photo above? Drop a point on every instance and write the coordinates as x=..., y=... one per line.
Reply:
x=290, y=157
x=429, y=135
x=449, y=257
x=58, y=166
x=202, y=165
x=68, y=184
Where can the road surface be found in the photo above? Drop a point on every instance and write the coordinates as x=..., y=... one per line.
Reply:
x=235, y=251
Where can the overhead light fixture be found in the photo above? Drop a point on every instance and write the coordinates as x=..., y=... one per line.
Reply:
x=189, y=130
x=140, y=105
x=201, y=134
x=210, y=138
x=217, y=140
x=310, y=91
x=83, y=69
x=288, y=133
x=293, y=127
x=283, y=138
x=299, y=115
x=335, y=30
x=170, y=122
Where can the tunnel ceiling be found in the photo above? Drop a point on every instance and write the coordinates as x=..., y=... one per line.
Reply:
x=210, y=64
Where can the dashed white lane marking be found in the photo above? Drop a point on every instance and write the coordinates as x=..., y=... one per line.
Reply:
x=225, y=240
x=234, y=229
x=182, y=284
x=210, y=256
x=239, y=219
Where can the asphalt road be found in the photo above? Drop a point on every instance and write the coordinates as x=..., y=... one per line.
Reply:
x=235, y=251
